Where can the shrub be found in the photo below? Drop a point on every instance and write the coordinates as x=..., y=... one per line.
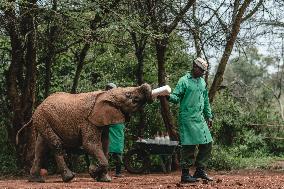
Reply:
x=8, y=161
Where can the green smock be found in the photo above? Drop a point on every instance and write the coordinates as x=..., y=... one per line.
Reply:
x=194, y=110
x=116, y=138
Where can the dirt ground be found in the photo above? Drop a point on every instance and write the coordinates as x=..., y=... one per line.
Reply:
x=234, y=179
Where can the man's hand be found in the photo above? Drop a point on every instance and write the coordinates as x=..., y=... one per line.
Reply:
x=210, y=123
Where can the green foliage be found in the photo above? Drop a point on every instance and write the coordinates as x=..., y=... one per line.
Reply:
x=244, y=108
x=239, y=144
x=7, y=152
x=251, y=143
x=224, y=158
x=233, y=124
x=8, y=161
x=227, y=119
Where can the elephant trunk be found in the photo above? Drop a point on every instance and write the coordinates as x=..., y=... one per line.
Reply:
x=147, y=90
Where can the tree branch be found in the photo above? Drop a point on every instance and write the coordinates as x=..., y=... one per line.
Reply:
x=253, y=11
x=180, y=15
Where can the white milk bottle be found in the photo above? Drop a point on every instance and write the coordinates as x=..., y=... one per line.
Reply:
x=167, y=138
x=162, y=138
x=157, y=138
x=161, y=91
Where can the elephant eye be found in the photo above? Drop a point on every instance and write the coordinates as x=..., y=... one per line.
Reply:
x=128, y=95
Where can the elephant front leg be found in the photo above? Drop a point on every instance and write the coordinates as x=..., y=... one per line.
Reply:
x=66, y=173
x=93, y=145
x=100, y=172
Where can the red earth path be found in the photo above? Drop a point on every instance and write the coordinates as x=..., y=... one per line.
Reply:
x=265, y=179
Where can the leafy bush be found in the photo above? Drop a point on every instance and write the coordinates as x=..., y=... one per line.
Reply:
x=7, y=152
x=230, y=158
x=237, y=143
x=250, y=144
x=228, y=119
x=222, y=159
x=8, y=161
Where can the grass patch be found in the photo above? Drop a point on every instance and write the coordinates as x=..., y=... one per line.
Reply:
x=224, y=158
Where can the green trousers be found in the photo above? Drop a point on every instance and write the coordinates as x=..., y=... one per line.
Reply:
x=188, y=153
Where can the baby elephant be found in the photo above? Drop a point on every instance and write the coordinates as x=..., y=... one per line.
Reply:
x=68, y=121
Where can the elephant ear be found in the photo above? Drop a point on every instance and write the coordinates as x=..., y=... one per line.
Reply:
x=105, y=113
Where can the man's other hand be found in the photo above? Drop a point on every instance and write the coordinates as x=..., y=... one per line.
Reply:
x=210, y=123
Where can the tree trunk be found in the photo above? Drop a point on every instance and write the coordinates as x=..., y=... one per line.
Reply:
x=21, y=78
x=28, y=95
x=196, y=32
x=222, y=66
x=140, y=81
x=47, y=79
x=281, y=111
x=80, y=66
x=161, y=46
x=139, y=46
x=228, y=50
x=51, y=33
x=140, y=67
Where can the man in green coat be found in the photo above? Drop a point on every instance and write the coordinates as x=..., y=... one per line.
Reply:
x=116, y=141
x=195, y=119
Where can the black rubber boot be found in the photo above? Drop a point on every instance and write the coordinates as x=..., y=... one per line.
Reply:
x=200, y=173
x=118, y=171
x=186, y=177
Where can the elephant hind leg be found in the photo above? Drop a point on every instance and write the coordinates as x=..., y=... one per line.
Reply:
x=56, y=145
x=40, y=147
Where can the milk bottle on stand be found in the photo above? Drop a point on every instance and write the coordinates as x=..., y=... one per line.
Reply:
x=162, y=138
x=167, y=138
x=157, y=138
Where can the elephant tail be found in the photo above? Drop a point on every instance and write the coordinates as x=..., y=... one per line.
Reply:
x=17, y=135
